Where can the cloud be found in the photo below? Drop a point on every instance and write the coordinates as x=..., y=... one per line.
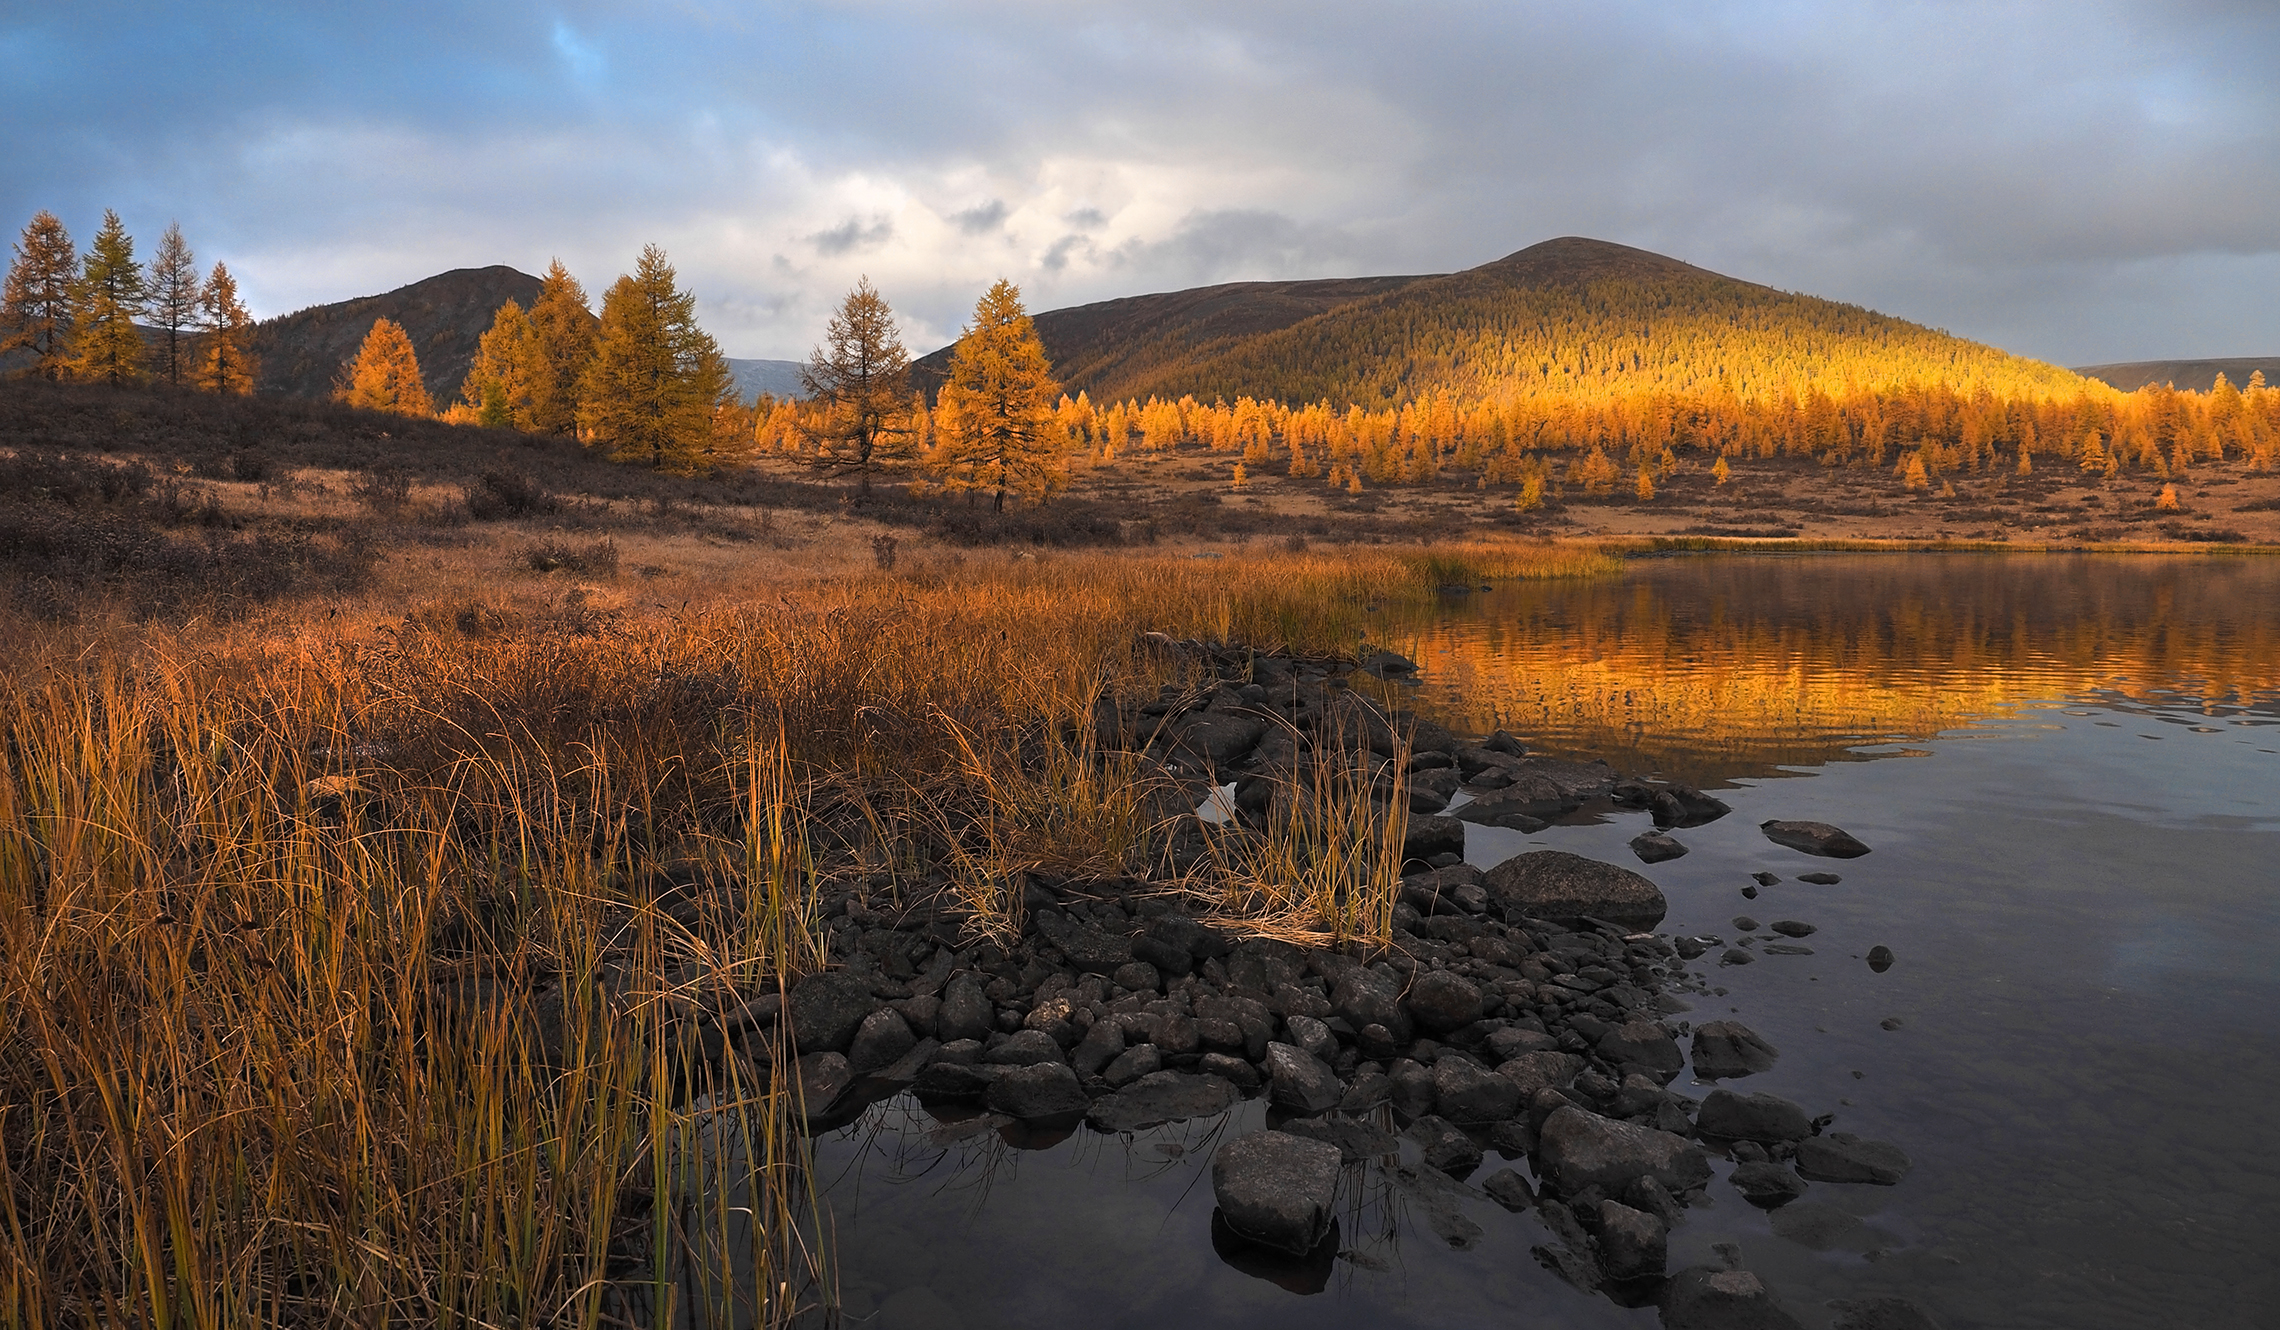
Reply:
x=982, y=218
x=851, y=235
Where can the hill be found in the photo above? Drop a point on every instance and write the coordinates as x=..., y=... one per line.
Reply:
x=2193, y=376
x=777, y=378
x=446, y=316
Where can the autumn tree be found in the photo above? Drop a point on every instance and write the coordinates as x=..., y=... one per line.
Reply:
x=562, y=350
x=172, y=303
x=994, y=417
x=508, y=361
x=225, y=359
x=856, y=383
x=385, y=376
x=106, y=300
x=36, y=303
x=658, y=382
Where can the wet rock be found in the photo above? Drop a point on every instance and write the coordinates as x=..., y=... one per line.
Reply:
x=1525, y=802
x=1508, y=1189
x=1540, y=1071
x=1766, y=1184
x=1430, y=791
x=1023, y=1049
x=1676, y=805
x=1819, y=1227
x=1652, y=1197
x=1166, y=1096
x=1642, y=1044
x=1890, y=1023
x=1820, y=879
x=1766, y=879
x=1843, y=1157
x=1690, y=948
x=1463, y=1092
x=823, y=1077
x=1430, y=835
x=1700, y=1298
x=1102, y=1044
x=826, y=1009
x=1445, y=1146
x=1365, y=997
x=1725, y=1050
x=1132, y=1064
x=1737, y=956
x=1276, y=1189
x=1299, y=1081
x=1138, y=977
x=1814, y=838
x=1765, y=1118
x=1653, y=847
x=1040, y=1090
x=1632, y=1244
x=954, y=1081
x=1443, y=1001
x=880, y=1041
x=1744, y=924
x=1581, y=1149
x=1880, y=958
x=1793, y=928
x=1356, y=1141
x=1553, y=884
x=1749, y=893
x=1439, y=1200
x=965, y=1013
x=1882, y=1314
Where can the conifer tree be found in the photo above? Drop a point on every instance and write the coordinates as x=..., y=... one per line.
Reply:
x=385, y=376
x=498, y=388
x=173, y=303
x=36, y=303
x=859, y=416
x=658, y=381
x=562, y=350
x=225, y=361
x=994, y=415
x=109, y=295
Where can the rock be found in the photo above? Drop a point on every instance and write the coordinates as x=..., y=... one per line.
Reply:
x=1880, y=958
x=1086, y=947
x=1369, y=1090
x=1132, y=1064
x=1724, y=1050
x=1653, y=847
x=1430, y=791
x=1820, y=879
x=1524, y=803
x=1299, y=1081
x=1365, y=997
x=1642, y=1043
x=1452, y=890
x=1766, y=1185
x=1231, y=1069
x=1766, y=879
x=1102, y=1044
x=1214, y=739
x=823, y=1077
x=1678, y=805
x=1700, y=1298
x=1412, y=1087
x=1793, y=928
x=1445, y=1147
x=1431, y=834
x=1463, y=1092
x=1655, y=1199
x=1356, y=1141
x=1632, y=1244
x=1749, y=893
x=1442, y=1001
x=1540, y=1071
x=1040, y=1090
x=1382, y=662
x=1024, y=1048
x=1814, y=838
x=957, y=1081
x=1581, y=1149
x=1882, y=1314
x=1174, y=1034
x=1752, y=1117
x=1843, y=1157
x=1165, y=957
x=1276, y=1189
x=880, y=1041
x=1376, y=1042
x=1743, y=923
x=1510, y=1190
x=1737, y=956
x=1438, y=1200
x=1138, y=977
x=1166, y=1096
x=1313, y=1036
x=826, y=1009
x=1553, y=884
x=1504, y=1045
x=965, y=1013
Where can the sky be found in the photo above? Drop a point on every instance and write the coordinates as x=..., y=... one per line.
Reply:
x=2081, y=181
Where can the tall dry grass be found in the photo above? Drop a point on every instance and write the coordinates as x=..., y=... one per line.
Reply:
x=348, y=978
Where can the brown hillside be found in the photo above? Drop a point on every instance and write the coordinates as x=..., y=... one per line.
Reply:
x=446, y=315
x=2193, y=376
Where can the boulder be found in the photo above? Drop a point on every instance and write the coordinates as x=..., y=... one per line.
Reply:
x=1276, y=1189
x=1166, y=1096
x=1432, y=834
x=965, y=1012
x=826, y=1009
x=1024, y=1048
x=1299, y=1081
x=1632, y=1243
x=1540, y=1071
x=1508, y=1189
x=1841, y=1156
x=1766, y=1184
x=957, y=1081
x=1444, y=1146
x=1724, y=1050
x=1525, y=803
x=1086, y=947
x=880, y=1041
x=1676, y=805
x=823, y=1077
x=1642, y=1043
x=1356, y=1140
x=1701, y=1298
x=1132, y=1064
x=1653, y=847
x=1365, y=997
x=1814, y=838
x=1313, y=1036
x=1752, y=1117
x=1464, y=1092
x=1553, y=884
x=1102, y=1044
x=1581, y=1149
x=1452, y=890
x=1214, y=739
x=1040, y=1090
x=1443, y=1001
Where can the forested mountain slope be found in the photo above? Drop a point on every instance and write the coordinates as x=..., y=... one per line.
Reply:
x=446, y=316
x=2192, y=376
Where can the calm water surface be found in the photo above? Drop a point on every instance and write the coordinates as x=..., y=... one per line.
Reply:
x=2069, y=770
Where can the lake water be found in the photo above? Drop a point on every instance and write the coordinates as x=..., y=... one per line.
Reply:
x=2069, y=770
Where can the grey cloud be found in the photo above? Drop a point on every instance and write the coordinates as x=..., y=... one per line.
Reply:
x=982, y=218
x=1087, y=219
x=851, y=235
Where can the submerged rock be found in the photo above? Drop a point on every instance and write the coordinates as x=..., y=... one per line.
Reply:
x=1724, y=1050
x=1700, y=1298
x=1843, y=1157
x=1814, y=838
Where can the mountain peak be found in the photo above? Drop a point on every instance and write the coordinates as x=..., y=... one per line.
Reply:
x=1576, y=259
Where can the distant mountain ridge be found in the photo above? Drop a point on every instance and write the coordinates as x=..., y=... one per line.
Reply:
x=2197, y=376
x=446, y=315
x=777, y=378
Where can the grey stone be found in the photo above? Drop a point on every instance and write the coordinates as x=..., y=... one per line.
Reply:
x=1523, y=801
x=1276, y=1189
x=1214, y=739
x=1700, y=1298
x=1452, y=890
x=1653, y=847
x=1508, y=1189
x=1040, y=1090
x=1300, y=1081
x=955, y=1081
x=1463, y=1092
x=1507, y=1044
x=826, y=1009
x=1752, y=1117
x=1132, y=1064
x=1820, y=879
x=1581, y=1149
x=1365, y=997
x=880, y=1041
x=1540, y=1071
x=1101, y=1045
x=1880, y=958
x=1553, y=884
x=1678, y=805
x=1313, y=1036
x=1766, y=1184
x=1724, y=1050
x=1166, y=957
x=823, y=1077
x=1086, y=947
x=1234, y=1070
x=1814, y=838
x=1445, y=1146
x=1139, y=977
x=1431, y=834
x=1024, y=1048
x=1632, y=1243
x=1642, y=1043
x=1442, y=1001
x=1793, y=928
x=965, y=1012
x=1841, y=1156
x=1174, y=1034
x=1412, y=1087
x=1369, y=1090
x=1166, y=1096
x=906, y=1068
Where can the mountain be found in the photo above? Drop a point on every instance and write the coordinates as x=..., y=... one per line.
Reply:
x=446, y=315
x=1569, y=319
x=777, y=378
x=2197, y=376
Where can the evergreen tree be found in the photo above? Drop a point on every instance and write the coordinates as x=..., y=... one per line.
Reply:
x=858, y=412
x=36, y=303
x=385, y=376
x=562, y=347
x=173, y=302
x=994, y=416
x=507, y=364
x=658, y=383
x=106, y=345
x=225, y=361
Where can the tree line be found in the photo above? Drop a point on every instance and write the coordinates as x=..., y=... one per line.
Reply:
x=80, y=317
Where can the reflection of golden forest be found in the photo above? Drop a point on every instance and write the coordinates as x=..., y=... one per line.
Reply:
x=1713, y=668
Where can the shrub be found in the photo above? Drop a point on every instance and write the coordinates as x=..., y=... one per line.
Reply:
x=502, y=492
x=597, y=558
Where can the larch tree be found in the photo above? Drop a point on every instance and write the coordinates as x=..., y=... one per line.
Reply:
x=36, y=303
x=225, y=362
x=562, y=343
x=856, y=383
x=994, y=417
x=507, y=364
x=385, y=376
x=109, y=296
x=658, y=383
x=173, y=303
